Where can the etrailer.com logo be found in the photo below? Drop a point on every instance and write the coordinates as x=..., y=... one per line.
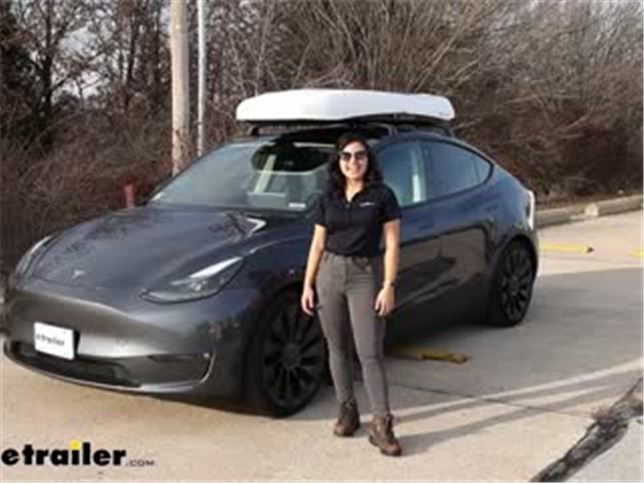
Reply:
x=78, y=454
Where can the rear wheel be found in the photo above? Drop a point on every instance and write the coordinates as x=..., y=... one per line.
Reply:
x=287, y=361
x=511, y=289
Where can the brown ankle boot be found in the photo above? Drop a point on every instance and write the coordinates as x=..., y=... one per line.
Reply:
x=381, y=435
x=348, y=419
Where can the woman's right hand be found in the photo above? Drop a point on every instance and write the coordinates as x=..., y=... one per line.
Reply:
x=308, y=300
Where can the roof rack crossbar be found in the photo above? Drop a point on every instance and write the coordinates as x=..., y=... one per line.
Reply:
x=391, y=126
x=254, y=129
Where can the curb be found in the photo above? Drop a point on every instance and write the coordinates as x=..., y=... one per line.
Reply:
x=575, y=213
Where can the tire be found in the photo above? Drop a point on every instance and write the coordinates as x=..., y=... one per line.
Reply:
x=511, y=286
x=287, y=359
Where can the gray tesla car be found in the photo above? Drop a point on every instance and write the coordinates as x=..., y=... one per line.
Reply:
x=195, y=293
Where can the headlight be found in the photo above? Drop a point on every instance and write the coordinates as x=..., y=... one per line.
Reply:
x=203, y=283
x=25, y=260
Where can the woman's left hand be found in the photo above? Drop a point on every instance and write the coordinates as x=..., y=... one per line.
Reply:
x=385, y=301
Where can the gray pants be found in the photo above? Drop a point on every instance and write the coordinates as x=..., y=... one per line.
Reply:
x=347, y=287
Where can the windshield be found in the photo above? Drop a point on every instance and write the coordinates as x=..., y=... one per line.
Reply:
x=258, y=174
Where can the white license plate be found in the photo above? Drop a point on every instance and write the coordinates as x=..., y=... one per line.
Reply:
x=54, y=340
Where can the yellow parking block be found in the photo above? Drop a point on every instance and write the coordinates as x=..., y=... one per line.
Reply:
x=584, y=249
x=418, y=353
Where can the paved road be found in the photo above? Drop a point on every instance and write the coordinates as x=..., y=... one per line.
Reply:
x=522, y=399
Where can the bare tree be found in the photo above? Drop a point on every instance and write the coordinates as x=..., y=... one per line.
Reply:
x=180, y=86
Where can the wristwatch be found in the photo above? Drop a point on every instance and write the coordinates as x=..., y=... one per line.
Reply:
x=389, y=283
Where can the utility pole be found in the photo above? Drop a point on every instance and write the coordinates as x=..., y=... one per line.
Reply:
x=201, y=95
x=180, y=86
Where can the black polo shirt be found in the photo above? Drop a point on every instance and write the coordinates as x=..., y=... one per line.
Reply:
x=355, y=227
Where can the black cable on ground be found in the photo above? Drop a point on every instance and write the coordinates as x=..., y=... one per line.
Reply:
x=609, y=427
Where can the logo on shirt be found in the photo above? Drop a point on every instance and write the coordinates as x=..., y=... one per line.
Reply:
x=366, y=204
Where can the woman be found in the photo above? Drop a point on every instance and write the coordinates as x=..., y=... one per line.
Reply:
x=344, y=270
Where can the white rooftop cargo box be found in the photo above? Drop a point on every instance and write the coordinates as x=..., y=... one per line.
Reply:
x=332, y=105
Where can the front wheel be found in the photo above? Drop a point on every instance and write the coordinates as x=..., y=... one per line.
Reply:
x=511, y=287
x=287, y=358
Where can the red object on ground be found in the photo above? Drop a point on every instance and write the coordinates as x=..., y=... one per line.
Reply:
x=130, y=195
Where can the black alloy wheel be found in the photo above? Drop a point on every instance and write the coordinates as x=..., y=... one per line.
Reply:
x=287, y=360
x=511, y=289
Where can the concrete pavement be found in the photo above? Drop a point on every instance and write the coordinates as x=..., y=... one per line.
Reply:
x=522, y=399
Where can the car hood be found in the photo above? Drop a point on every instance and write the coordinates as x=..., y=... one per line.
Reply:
x=137, y=247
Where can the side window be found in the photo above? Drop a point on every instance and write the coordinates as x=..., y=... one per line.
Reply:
x=483, y=167
x=403, y=169
x=450, y=169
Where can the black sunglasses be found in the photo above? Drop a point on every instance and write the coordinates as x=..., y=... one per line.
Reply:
x=358, y=155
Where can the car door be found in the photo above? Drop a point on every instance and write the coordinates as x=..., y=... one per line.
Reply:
x=463, y=206
x=420, y=267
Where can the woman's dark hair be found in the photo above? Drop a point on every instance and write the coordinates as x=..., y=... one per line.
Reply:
x=336, y=180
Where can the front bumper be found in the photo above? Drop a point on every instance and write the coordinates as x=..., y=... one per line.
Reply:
x=125, y=343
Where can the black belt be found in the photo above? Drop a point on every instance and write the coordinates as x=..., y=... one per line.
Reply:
x=356, y=259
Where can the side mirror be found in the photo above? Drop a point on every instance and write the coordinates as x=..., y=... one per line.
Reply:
x=157, y=188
